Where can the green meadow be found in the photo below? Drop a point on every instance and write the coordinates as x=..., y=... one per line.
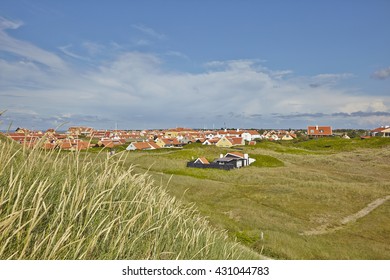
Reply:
x=291, y=203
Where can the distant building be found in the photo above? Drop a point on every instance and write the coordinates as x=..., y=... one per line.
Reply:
x=142, y=146
x=319, y=131
x=227, y=142
x=229, y=161
x=383, y=131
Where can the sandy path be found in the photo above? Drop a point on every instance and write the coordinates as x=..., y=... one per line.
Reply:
x=328, y=228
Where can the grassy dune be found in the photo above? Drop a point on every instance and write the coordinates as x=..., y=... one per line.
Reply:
x=56, y=205
x=293, y=188
x=149, y=205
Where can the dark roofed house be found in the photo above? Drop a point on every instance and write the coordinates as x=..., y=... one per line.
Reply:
x=202, y=160
x=229, y=161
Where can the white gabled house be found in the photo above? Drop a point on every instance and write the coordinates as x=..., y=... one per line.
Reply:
x=142, y=146
x=211, y=141
x=250, y=135
x=386, y=132
x=245, y=157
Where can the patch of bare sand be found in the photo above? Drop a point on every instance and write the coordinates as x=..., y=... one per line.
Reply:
x=328, y=228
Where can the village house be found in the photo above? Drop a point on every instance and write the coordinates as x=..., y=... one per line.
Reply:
x=383, y=131
x=229, y=133
x=229, y=161
x=22, y=130
x=72, y=144
x=168, y=143
x=227, y=142
x=174, y=132
x=201, y=160
x=80, y=131
x=210, y=134
x=319, y=131
x=99, y=134
x=239, y=159
x=211, y=141
x=142, y=146
x=48, y=140
x=386, y=132
x=250, y=135
x=111, y=142
x=277, y=135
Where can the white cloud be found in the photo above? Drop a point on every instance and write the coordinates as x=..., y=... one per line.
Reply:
x=93, y=48
x=130, y=84
x=177, y=54
x=148, y=31
x=9, y=24
x=26, y=49
x=381, y=74
x=66, y=50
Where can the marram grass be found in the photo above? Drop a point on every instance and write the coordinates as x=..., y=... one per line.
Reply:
x=56, y=205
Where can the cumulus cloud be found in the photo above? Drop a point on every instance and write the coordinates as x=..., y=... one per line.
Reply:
x=136, y=89
x=337, y=115
x=381, y=74
x=326, y=79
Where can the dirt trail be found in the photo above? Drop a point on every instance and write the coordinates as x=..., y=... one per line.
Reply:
x=328, y=228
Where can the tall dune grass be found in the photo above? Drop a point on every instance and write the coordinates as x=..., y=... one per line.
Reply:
x=56, y=205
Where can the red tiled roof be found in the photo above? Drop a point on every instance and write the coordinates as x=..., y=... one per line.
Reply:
x=378, y=129
x=236, y=140
x=107, y=143
x=141, y=145
x=154, y=145
x=252, y=132
x=49, y=146
x=319, y=130
x=170, y=141
x=65, y=145
x=213, y=140
x=203, y=160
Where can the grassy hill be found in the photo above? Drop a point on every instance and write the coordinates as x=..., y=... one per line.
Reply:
x=291, y=204
x=56, y=205
x=293, y=188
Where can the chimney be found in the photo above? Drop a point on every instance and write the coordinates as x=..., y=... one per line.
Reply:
x=316, y=127
x=221, y=156
x=246, y=156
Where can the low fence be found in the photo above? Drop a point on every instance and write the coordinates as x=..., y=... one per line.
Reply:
x=227, y=166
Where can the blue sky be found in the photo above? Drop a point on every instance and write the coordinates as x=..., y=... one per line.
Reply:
x=156, y=64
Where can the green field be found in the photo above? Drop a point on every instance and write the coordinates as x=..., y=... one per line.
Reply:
x=295, y=195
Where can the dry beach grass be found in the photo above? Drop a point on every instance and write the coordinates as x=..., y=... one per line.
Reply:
x=60, y=205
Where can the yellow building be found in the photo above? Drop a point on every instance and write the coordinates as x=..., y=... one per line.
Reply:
x=224, y=143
